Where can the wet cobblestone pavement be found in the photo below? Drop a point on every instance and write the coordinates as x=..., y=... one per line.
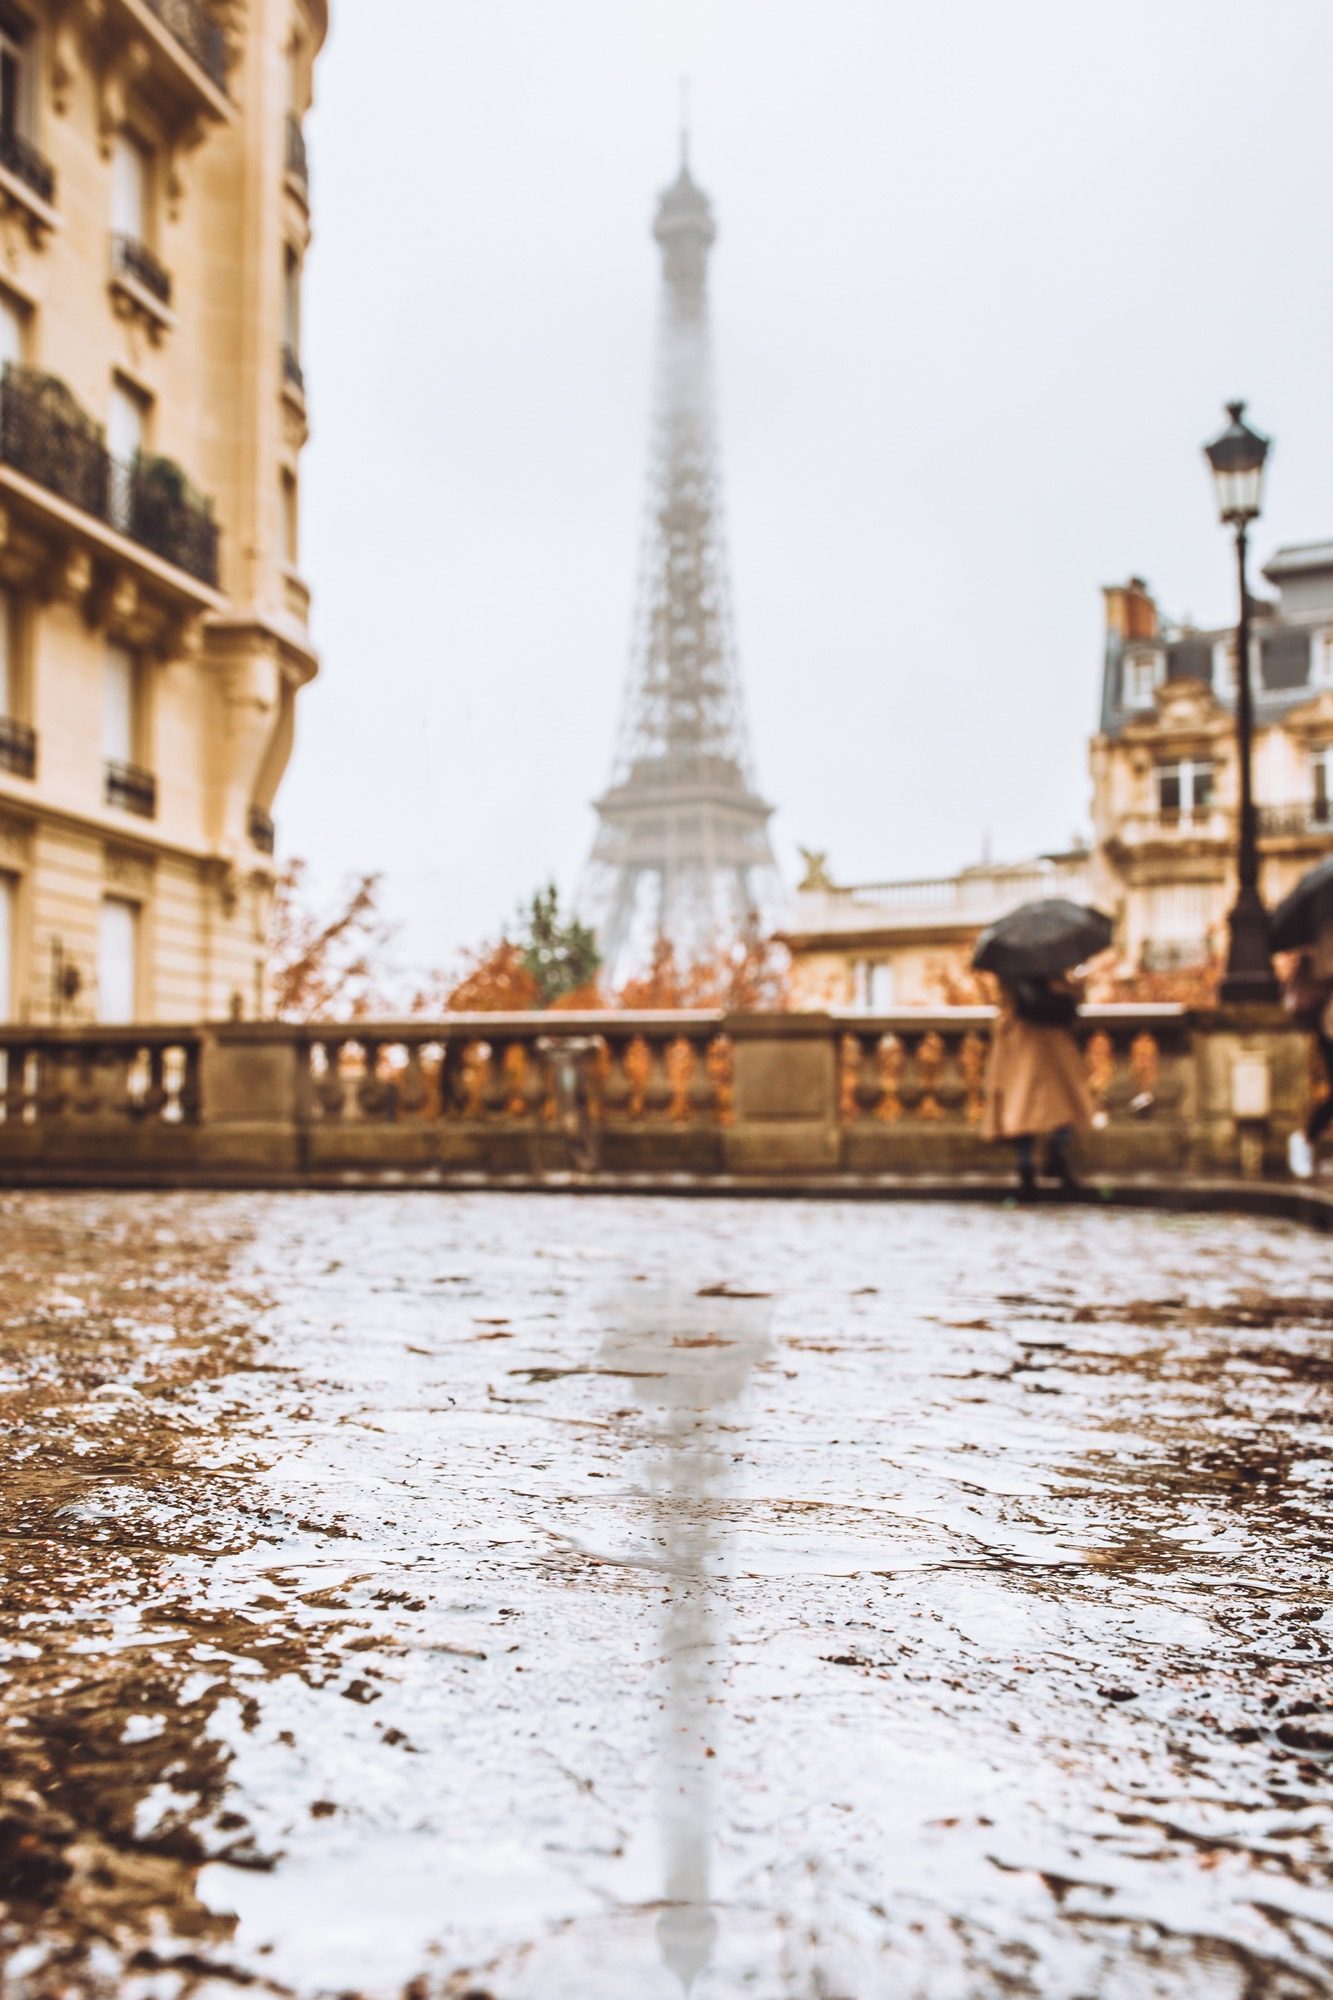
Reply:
x=566, y=1599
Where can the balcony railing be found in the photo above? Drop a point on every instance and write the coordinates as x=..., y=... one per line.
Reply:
x=132, y=259
x=47, y=436
x=1275, y=821
x=28, y=166
x=18, y=747
x=1195, y=823
x=262, y=832
x=131, y=788
x=198, y=33
x=292, y=372
x=298, y=162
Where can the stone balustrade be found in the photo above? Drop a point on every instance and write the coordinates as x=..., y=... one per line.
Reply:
x=701, y=1094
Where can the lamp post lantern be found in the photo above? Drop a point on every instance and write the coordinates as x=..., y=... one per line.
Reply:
x=1237, y=461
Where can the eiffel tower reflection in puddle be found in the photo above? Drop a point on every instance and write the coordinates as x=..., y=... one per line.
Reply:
x=687, y=1357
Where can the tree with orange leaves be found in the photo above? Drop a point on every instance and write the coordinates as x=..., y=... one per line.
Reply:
x=323, y=965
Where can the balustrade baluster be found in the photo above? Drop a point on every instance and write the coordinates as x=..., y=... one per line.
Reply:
x=658, y=1096
x=330, y=1089
x=475, y=1076
x=890, y=1062
x=1145, y=1061
x=680, y=1064
x=720, y=1063
x=638, y=1068
x=373, y=1095
x=1099, y=1067
x=972, y=1056
x=929, y=1066
x=413, y=1087
x=514, y=1070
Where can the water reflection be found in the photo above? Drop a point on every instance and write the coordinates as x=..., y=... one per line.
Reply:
x=688, y=1357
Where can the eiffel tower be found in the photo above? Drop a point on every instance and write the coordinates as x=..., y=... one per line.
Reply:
x=682, y=849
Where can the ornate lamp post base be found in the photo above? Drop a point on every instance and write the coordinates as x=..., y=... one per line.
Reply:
x=1249, y=974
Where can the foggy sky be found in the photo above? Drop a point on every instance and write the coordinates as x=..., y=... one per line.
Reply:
x=984, y=277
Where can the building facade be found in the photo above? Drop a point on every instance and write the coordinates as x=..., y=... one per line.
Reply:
x=154, y=220
x=883, y=945
x=1165, y=781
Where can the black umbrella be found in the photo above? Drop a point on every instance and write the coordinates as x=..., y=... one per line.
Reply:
x=1299, y=917
x=1039, y=940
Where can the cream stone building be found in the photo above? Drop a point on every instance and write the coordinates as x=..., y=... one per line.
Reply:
x=877, y=946
x=154, y=219
x=1164, y=773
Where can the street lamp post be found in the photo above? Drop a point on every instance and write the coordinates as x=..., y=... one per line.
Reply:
x=1237, y=460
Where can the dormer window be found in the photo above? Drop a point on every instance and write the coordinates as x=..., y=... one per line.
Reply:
x=1321, y=773
x=1224, y=668
x=1321, y=660
x=1144, y=674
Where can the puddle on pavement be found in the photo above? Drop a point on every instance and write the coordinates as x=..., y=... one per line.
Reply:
x=539, y=1598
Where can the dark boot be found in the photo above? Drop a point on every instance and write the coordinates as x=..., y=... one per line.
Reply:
x=1027, y=1181
x=1059, y=1170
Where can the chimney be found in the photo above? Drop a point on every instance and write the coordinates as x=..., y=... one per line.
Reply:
x=1130, y=610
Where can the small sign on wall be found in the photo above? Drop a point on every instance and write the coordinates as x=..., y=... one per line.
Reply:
x=1250, y=1087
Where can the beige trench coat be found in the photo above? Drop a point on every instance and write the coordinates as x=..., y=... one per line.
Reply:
x=1035, y=1080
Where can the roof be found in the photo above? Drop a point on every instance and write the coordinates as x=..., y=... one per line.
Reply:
x=1300, y=558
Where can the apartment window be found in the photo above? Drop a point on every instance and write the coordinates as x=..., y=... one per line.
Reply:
x=1144, y=674
x=16, y=79
x=131, y=170
x=1185, y=788
x=290, y=518
x=291, y=298
x=11, y=694
x=13, y=322
x=8, y=944
x=119, y=706
x=127, y=421
x=874, y=985
x=118, y=960
x=127, y=424
x=1321, y=771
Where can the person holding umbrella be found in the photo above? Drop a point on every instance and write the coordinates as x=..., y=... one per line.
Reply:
x=1035, y=1083
x=1303, y=923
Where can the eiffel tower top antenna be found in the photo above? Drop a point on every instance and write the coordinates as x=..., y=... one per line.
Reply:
x=685, y=122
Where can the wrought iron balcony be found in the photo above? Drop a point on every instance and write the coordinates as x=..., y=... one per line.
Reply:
x=298, y=163
x=28, y=166
x=198, y=33
x=18, y=747
x=292, y=372
x=132, y=259
x=262, y=832
x=47, y=436
x=131, y=788
x=167, y=516
x=1275, y=821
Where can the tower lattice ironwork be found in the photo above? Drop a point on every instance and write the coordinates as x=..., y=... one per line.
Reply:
x=682, y=849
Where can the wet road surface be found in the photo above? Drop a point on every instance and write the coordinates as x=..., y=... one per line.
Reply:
x=557, y=1598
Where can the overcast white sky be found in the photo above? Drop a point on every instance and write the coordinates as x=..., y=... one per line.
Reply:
x=985, y=275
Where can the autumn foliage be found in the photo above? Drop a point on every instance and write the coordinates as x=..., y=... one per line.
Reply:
x=324, y=965
x=332, y=964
